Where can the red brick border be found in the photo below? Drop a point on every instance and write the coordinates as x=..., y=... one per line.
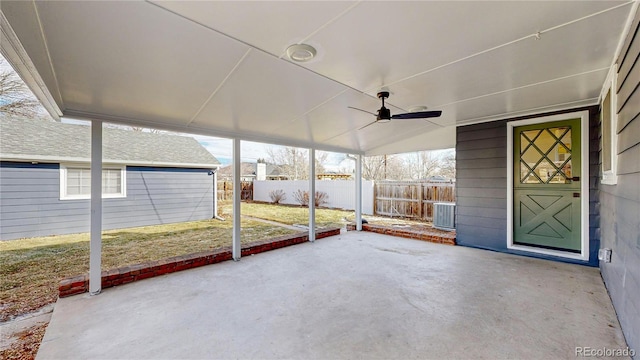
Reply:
x=124, y=275
x=430, y=234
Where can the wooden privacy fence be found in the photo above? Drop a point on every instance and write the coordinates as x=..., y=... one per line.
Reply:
x=225, y=190
x=410, y=199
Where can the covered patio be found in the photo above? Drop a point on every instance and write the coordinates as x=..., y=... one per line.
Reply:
x=355, y=295
x=540, y=100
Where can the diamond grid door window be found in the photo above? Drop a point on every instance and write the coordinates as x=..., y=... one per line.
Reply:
x=545, y=156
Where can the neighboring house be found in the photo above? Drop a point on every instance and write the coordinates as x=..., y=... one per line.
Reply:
x=148, y=178
x=334, y=176
x=253, y=171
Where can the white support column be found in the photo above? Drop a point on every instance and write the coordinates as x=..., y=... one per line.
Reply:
x=312, y=195
x=215, y=193
x=95, y=246
x=359, y=193
x=237, y=191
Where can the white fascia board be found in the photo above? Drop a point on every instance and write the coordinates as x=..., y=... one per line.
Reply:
x=13, y=51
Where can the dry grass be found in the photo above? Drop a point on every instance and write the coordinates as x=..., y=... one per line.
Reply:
x=26, y=345
x=290, y=215
x=296, y=214
x=30, y=269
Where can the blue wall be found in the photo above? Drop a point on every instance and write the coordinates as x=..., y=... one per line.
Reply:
x=30, y=202
x=620, y=203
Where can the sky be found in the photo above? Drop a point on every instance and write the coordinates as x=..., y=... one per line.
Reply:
x=252, y=151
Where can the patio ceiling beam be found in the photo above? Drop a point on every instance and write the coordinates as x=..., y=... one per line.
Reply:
x=237, y=191
x=95, y=247
x=312, y=195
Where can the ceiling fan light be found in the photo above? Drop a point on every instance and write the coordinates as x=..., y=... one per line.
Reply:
x=301, y=52
x=382, y=121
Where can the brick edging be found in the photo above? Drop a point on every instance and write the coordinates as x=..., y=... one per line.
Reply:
x=127, y=274
x=435, y=236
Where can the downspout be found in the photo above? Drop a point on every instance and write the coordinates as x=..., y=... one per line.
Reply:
x=358, y=185
x=214, y=187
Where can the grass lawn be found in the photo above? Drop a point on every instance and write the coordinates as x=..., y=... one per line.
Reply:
x=30, y=269
x=290, y=215
x=296, y=214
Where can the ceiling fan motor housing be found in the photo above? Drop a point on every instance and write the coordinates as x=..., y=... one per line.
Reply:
x=384, y=114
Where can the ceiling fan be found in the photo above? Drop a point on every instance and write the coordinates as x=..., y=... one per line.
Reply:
x=384, y=114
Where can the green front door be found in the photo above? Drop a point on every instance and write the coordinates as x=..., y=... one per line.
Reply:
x=546, y=189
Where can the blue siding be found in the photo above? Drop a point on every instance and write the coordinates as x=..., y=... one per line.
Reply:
x=620, y=203
x=481, y=186
x=30, y=202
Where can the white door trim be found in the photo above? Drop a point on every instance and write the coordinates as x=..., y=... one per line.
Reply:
x=584, y=185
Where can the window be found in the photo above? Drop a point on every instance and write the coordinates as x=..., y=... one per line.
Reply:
x=608, y=124
x=75, y=182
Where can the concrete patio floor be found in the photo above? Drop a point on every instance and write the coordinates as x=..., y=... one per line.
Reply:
x=357, y=295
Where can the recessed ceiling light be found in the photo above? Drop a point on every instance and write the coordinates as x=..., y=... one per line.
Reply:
x=417, y=108
x=301, y=52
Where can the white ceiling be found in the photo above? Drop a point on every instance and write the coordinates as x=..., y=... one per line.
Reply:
x=219, y=68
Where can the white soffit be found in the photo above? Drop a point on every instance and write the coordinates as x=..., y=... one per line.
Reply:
x=218, y=68
x=364, y=47
x=134, y=60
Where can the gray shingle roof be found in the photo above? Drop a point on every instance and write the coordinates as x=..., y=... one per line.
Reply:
x=49, y=140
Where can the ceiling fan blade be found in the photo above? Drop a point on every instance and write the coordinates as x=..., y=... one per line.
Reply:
x=369, y=124
x=355, y=108
x=418, y=115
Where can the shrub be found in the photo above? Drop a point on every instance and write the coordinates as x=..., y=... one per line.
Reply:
x=321, y=198
x=277, y=196
x=302, y=197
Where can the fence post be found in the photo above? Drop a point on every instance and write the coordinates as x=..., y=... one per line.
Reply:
x=375, y=198
x=420, y=201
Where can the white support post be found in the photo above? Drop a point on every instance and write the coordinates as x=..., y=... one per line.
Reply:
x=359, y=193
x=237, y=191
x=215, y=193
x=312, y=195
x=95, y=246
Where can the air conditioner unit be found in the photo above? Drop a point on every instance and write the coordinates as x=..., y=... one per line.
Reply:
x=444, y=216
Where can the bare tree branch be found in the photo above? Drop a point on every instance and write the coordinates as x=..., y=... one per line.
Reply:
x=15, y=98
x=294, y=162
x=384, y=167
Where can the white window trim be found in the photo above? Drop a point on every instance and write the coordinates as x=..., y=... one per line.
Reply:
x=63, y=182
x=610, y=177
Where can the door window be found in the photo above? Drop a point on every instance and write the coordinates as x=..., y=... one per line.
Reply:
x=545, y=156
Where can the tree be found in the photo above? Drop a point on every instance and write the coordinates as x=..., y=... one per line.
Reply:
x=425, y=164
x=15, y=97
x=448, y=168
x=294, y=162
x=143, y=129
x=384, y=167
